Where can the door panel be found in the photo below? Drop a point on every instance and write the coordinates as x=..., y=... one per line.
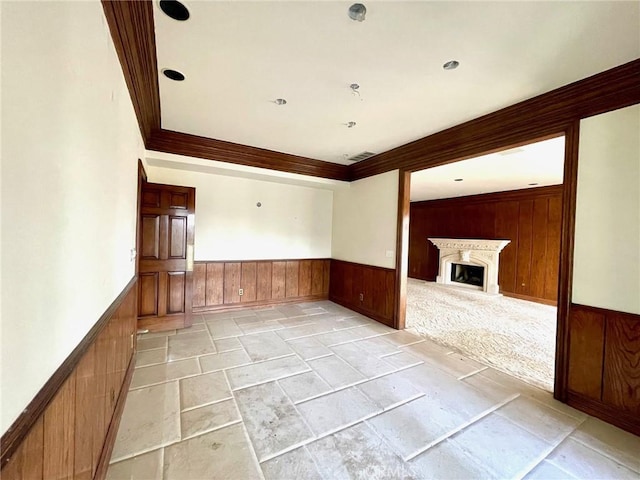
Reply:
x=150, y=242
x=166, y=263
x=175, y=292
x=148, y=294
x=178, y=237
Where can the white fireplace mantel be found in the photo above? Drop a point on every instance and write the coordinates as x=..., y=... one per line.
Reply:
x=480, y=252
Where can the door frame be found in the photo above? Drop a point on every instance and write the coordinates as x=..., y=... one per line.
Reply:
x=570, y=131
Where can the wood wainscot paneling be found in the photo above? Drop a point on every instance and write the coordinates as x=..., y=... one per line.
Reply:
x=530, y=218
x=69, y=428
x=218, y=285
x=364, y=288
x=604, y=365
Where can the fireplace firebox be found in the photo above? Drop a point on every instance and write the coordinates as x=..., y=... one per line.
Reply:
x=467, y=274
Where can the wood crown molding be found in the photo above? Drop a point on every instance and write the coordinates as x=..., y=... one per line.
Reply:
x=540, y=117
x=201, y=147
x=133, y=33
x=132, y=29
x=524, y=193
x=17, y=432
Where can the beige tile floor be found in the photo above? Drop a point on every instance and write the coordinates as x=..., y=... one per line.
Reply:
x=316, y=391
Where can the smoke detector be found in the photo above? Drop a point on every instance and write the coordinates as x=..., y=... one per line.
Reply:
x=357, y=12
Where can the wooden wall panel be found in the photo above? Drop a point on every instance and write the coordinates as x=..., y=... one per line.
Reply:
x=263, y=282
x=604, y=365
x=232, y=278
x=59, y=428
x=304, y=278
x=214, y=288
x=199, y=285
x=293, y=267
x=586, y=349
x=279, y=280
x=148, y=293
x=248, y=282
x=530, y=218
x=366, y=289
x=68, y=430
x=621, y=383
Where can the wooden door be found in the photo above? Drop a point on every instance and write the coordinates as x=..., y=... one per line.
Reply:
x=167, y=218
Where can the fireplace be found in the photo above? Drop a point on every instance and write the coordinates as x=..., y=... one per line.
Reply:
x=469, y=262
x=467, y=274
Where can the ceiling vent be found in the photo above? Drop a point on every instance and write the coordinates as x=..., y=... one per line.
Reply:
x=360, y=157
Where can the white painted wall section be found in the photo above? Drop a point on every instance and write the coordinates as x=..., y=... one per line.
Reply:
x=365, y=221
x=292, y=221
x=70, y=144
x=606, y=269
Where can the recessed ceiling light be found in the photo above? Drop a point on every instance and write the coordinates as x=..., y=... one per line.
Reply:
x=357, y=12
x=451, y=65
x=532, y=184
x=280, y=101
x=173, y=74
x=174, y=9
x=458, y=179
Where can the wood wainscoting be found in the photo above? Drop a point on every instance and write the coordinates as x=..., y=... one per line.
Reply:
x=365, y=289
x=604, y=365
x=530, y=218
x=69, y=428
x=217, y=284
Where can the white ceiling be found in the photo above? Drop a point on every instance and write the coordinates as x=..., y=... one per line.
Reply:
x=240, y=56
x=541, y=163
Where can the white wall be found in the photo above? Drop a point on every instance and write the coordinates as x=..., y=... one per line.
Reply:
x=70, y=144
x=365, y=221
x=606, y=270
x=293, y=221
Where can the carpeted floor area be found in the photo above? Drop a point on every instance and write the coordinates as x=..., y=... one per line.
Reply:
x=515, y=336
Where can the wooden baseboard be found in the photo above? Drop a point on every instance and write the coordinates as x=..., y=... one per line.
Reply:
x=110, y=440
x=266, y=303
x=626, y=421
x=544, y=301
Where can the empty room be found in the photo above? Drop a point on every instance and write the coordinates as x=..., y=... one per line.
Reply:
x=216, y=256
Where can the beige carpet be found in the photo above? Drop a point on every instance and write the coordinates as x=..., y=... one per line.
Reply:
x=511, y=335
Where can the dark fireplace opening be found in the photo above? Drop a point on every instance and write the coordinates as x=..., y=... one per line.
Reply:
x=469, y=274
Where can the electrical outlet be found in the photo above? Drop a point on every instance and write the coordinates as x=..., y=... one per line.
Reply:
x=362, y=297
x=241, y=291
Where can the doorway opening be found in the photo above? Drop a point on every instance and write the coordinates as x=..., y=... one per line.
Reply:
x=514, y=195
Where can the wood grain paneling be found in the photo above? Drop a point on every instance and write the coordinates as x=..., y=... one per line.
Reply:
x=215, y=284
x=621, y=382
x=530, y=218
x=293, y=267
x=177, y=236
x=364, y=288
x=264, y=282
x=304, y=278
x=248, y=282
x=149, y=244
x=64, y=432
x=604, y=365
x=175, y=292
x=586, y=349
x=232, y=278
x=148, y=294
x=199, y=285
x=279, y=280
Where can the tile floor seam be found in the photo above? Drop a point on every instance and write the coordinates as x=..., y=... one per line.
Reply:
x=214, y=429
x=244, y=427
x=604, y=454
x=190, y=409
x=472, y=373
x=570, y=475
x=244, y=387
x=461, y=427
x=131, y=389
x=538, y=460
